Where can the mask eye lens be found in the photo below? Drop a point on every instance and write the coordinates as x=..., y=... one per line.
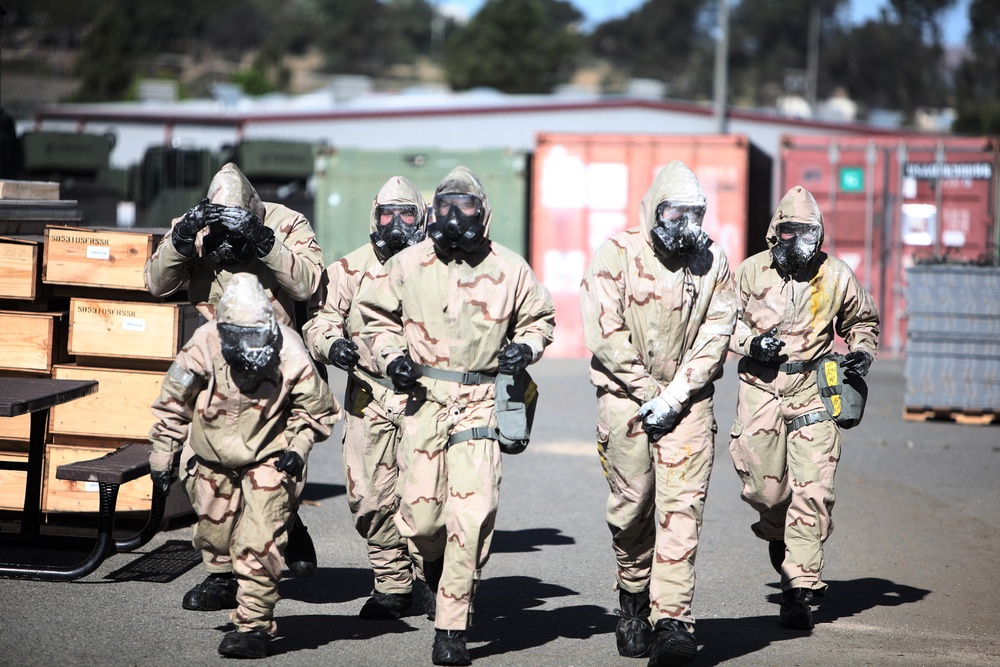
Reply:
x=467, y=205
x=668, y=213
x=408, y=214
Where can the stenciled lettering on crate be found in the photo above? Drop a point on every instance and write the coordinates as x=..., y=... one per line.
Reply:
x=96, y=257
x=130, y=330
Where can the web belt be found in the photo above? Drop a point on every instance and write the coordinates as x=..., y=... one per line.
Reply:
x=461, y=377
x=808, y=419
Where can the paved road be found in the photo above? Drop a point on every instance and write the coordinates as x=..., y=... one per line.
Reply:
x=912, y=564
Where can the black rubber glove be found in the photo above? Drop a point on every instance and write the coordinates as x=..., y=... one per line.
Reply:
x=515, y=358
x=242, y=222
x=162, y=479
x=184, y=232
x=856, y=364
x=343, y=354
x=290, y=463
x=403, y=373
x=658, y=418
x=766, y=347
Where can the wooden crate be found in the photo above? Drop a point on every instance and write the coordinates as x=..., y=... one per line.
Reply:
x=15, y=430
x=62, y=495
x=31, y=342
x=20, y=268
x=36, y=190
x=130, y=330
x=97, y=257
x=118, y=410
x=12, y=482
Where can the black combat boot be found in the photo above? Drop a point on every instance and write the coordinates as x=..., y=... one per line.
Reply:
x=429, y=587
x=795, y=612
x=673, y=644
x=300, y=554
x=776, y=550
x=253, y=644
x=634, y=629
x=450, y=648
x=218, y=591
x=386, y=606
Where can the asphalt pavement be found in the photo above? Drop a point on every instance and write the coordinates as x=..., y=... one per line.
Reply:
x=912, y=563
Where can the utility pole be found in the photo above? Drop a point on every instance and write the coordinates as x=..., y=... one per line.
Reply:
x=721, y=67
x=812, y=58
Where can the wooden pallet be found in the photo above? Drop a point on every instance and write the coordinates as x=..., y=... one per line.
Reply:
x=969, y=417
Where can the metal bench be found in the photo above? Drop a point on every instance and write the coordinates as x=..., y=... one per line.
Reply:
x=129, y=462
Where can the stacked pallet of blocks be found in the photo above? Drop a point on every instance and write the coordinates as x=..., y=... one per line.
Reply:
x=73, y=305
x=953, y=343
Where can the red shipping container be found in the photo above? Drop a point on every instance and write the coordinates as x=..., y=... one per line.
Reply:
x=890, y=201
x=586, y=188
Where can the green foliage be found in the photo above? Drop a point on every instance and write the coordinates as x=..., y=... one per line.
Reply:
x=515, y=46
x=977, y=85
x=104, y=68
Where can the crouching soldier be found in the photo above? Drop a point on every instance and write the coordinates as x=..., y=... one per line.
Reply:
x=244, y=395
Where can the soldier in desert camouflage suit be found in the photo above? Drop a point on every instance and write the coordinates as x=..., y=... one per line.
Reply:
x=451, y=312
x=374, y=408
x=658, y=309
x=793, y=299
x=243, y=394
x=232, y=230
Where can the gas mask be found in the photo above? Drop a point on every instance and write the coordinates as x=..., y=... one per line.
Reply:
x=796, y=247
x=396, y=228
x=252, y=353
x=458, y=223
x=678, y=232
x=227, y=249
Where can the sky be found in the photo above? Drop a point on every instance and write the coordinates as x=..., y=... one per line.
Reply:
x=956, y=23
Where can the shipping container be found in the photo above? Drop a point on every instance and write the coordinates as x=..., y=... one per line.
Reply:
x=587, y=187
x=888, y=202
x=347, y=181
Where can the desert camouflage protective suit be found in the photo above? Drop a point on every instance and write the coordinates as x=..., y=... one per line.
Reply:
x=657, y=328
x=455, y=315
x=374, y=410
x=290, y=272
x=788, y=477
x=242, y=501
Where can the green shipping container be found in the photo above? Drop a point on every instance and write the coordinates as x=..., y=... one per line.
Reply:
x=347, y=181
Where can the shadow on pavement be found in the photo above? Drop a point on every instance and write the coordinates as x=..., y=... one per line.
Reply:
x=521, y=541
x=505, y=617
x=314, y=492
x=329, y=585
x=723, y=639
x=298, y=633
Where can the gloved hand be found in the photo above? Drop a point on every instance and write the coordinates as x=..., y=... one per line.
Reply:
x=290, y=463
x=162, y=479
x=766, y=347
x=343, y=354
x=658, y=418
x=184, y=232
x=856, y=364
x=515, y=358
x=242, y=222
x=403, y=373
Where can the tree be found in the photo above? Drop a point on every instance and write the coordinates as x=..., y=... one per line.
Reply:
x=667, y=41
x=105, y=69
x=978, y=80
x=516, y=46
x=354, y=37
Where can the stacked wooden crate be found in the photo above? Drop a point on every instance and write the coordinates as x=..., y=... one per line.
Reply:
x=74, y=305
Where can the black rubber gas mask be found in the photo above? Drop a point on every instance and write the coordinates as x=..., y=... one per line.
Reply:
x=225, y=248
x=458, y=223
x=796, y=247
x=396, y=228
x=252, y=353
x=677, y=232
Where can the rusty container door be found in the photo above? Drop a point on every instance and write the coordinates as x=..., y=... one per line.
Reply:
x=889, y=202
x=586, y=188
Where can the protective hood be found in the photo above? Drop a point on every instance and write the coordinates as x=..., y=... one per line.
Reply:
x=245, y=304
x=399, y=190
x=675, y=183
x=230, y=187
x=461, y=181
x=798, y=205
